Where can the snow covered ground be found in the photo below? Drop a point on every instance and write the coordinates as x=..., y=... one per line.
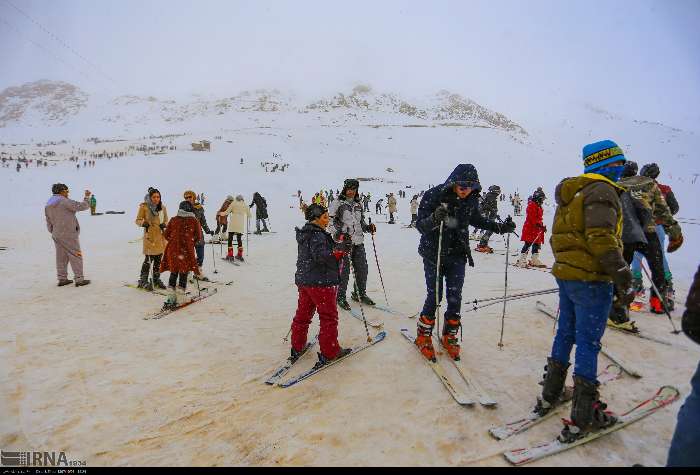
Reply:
x=83, y=372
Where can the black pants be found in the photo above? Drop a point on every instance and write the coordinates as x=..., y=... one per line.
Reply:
x=146, y=267
x=257, y=223
x=391, y=217
x=239, y=240
x=526, y=247
x=174, y=278
x=414, y=218
x=653, y=254
x=359, y=267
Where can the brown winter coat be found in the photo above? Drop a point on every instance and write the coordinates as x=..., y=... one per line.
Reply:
x=153, y=240
x=182, y=232
x=224, y=207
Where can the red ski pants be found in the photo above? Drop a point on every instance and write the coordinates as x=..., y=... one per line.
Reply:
x=312, y=299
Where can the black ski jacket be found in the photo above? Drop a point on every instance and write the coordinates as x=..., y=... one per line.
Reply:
x=260, y=206
x=316, y=264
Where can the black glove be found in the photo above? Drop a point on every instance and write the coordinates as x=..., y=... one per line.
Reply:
x=440, y=214
x=146, y=226
x=507, y=226
x=210, y=232
x=162, y=226
x=691, y=325
x=344, y=242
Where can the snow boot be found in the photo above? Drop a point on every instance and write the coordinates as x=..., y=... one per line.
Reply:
x=424, y=337
x=157, y=283
x=239, y=256
x=258, y=232
x=552, y=385
x=587, y=412
x=535, y=261
x=63, y=282
x=229, y=256
x=522, y=260
x=171, y=299
x=362, y=298
x=81, y=282
x=656, y=305
x=343, y=303
x=449, y=337
x=180, y=296
x=322, y=360
x=485, y=249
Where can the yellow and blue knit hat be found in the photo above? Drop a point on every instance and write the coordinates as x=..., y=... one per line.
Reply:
x=599, y=154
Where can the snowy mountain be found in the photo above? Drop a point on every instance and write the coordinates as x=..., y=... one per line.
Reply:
x=45, y=103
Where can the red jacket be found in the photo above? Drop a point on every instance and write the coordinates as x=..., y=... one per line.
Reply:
x=533, y=229
x=179, y=255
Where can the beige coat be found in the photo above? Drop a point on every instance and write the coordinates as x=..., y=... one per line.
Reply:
x=237, y=211
x=392, y=204
x=153, y=241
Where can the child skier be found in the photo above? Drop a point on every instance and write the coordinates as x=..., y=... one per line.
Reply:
x=533, y=231
x=182, y=232
x=317, y=278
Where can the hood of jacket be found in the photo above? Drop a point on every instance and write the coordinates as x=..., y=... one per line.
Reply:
x=54, y=200
x=568, y=187
x=466, y=174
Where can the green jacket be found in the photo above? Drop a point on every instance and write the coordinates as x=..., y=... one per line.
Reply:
x=646, y=191
x=587, y=231
x=93, y=201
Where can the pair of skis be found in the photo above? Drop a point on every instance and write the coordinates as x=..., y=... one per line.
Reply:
x=611, y=373
x=168, y=310
x=318, y=367
x=461, y=397
x=663, y=397
x=155, y=291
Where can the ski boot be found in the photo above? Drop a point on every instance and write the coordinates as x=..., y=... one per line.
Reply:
x=229, y=255
x=619, y=318
x=552, y=386
x=536, y=262
x=656, y=305
x=343, y=303
x=322, y=360
x=484, y=248
x=145, y=285
x=157, y=283
x=587, y=412
x=522, y=260
x=449, y=337
x=362, y=298
x=63, y=282
x=171, y=299
x=239, y=256
x=257, y=231
x=180, y=296
x=424, y=337
x=294, y=355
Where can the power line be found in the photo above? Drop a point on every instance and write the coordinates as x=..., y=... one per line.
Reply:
x=62, y=42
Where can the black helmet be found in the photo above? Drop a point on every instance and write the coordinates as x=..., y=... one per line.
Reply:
x=630, y=169
x=495, y=188
x=538, y=196
x=314, y=211
x=651, y=170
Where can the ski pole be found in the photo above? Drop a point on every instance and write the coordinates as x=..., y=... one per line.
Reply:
x=661, y=298
x=359, y=300
x=379, y=269
x=512, y=296
x=213, y=258
x=437, y=277
x=505, y=292
x=247, y=233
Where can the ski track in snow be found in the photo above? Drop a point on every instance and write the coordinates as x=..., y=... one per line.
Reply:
x=83, y=372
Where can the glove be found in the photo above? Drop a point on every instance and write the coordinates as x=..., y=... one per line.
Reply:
x=618, y=270
x=440, y=214
x=146, y=226
x=507, y=226
x=372, y=228
x=675, y=244
x=339, y=254
x=210, y=232
x=162, y=226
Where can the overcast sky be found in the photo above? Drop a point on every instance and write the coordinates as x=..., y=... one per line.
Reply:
x=640, y=58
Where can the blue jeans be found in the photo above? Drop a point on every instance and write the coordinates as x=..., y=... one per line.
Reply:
x=637, y=268
x=583, y=315
x=685, y=445
x=453, y=273
x=199, y=248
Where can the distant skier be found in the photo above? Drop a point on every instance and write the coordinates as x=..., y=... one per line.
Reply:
x=489, y=209
x=349, y=221
x=455, y=204
x=260, y=212
x=414, y=211
x=238, y=213
x=378, y=206
x=182, y=232
x=93, y=204
x=152, y=216
x=317, y=278
x=533, y=231
x=63, y=225
x=391, y=202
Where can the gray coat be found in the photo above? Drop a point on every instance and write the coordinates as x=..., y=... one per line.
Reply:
x=348, y=218
x=60, y=217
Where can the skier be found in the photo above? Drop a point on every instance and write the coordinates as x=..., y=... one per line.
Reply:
x=588, y=267
x=391, y=201
x=152, y=216
x=238, y=212
x=533, y=231
x=651, y=170
x=366, y=201
x=414, y=211
x=260, y=212
x=645, y=189
x=222, y=221
x=686, y=438
x=455, y=204
x=198, y=211
x=349, y=220
x=517, y=204
x=182, y=232
x=378, y=206
x=489, y=209
x=63, y=225
x=635, y=218
x=317, y=278
x=93, y=205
